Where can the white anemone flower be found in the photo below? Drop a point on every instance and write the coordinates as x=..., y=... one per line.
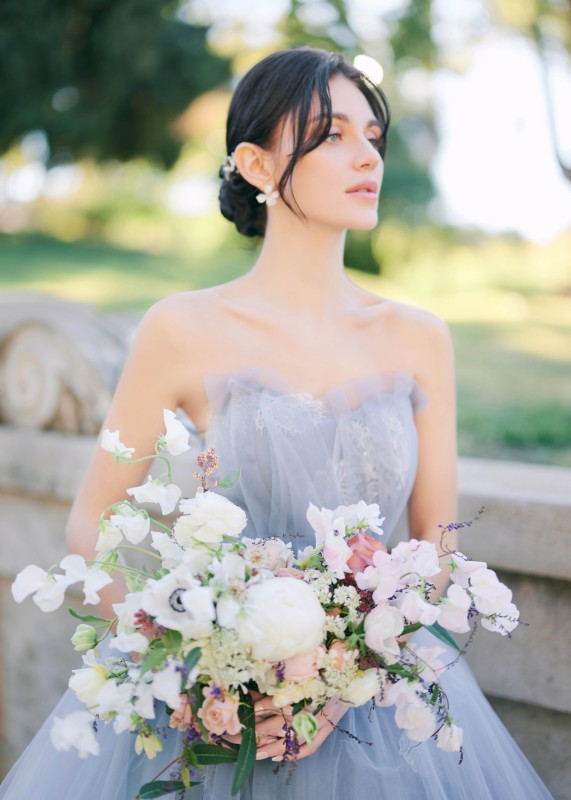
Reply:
x=75, y=730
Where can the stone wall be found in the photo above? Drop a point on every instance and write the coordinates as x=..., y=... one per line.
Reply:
x=524, y=532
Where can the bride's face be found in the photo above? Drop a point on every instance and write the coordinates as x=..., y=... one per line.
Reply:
x=338, y=183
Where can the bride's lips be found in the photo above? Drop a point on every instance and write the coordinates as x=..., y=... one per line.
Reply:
x=367, y=189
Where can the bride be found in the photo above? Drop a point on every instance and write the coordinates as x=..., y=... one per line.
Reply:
x=320, y=391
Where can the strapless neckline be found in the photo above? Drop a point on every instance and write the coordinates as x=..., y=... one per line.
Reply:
x=344, y=397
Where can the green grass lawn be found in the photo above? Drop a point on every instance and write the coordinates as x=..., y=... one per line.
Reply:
x=513, y=349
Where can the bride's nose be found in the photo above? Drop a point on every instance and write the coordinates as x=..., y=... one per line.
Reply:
x=367, y=156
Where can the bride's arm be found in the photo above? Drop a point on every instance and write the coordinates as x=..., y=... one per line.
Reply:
x=433, y=501
x=150, y=381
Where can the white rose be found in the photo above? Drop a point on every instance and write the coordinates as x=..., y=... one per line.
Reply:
x=75, y=730
x=363, y=687
x=450, y=738
x=208, y=517
x=281, y=618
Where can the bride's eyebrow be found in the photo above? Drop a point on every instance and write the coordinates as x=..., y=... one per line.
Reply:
x=342, y=117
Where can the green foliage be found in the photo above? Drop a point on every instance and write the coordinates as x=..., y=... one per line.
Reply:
x=103, y=79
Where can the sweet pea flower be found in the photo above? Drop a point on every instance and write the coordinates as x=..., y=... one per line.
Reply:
x=75, y=730
x=416, y=718
x=322, y=522
x=110, y=537
x=134, y=524
x=84, y=639
x=336, y=553
x=166, y=684
x=208, y=517
x=454, y=609
x=111, y=443
x=490, y=595
x=363, y=548
x=418, y=558
x=175, y=440
x=503, y=622
x=450, y=738
x=129, y=642
x=384, y=576
x=416, y=609
x=48, y=590
x=155, y=491
x=170, y=551
x=93, y=578
x=382, y=625
x=362, y=516
x=87, y=682
x=462, y=568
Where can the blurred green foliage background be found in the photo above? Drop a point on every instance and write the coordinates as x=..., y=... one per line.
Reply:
x=112, y=120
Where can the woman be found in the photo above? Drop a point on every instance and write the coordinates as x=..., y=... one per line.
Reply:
x=310, y=384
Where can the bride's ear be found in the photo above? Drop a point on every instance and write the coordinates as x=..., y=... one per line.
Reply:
x=254, y=164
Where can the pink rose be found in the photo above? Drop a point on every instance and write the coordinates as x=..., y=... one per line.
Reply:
x=363, y=547
x=219, y=712
x=182, y=718
x=301, y=668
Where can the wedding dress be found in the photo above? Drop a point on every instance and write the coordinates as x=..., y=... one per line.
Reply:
x=356, y=442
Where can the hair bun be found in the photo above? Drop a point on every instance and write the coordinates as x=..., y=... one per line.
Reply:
x=238, y=204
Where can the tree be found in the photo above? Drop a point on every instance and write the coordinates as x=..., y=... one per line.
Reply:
x=101, y=78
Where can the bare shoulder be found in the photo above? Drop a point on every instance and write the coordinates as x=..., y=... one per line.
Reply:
x=181, y=318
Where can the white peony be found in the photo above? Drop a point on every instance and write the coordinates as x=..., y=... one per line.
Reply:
x=75, y=730
x=111, y=443
x=175, y=440
x=454, y=609
x=450, y=738
x=364, y=687
x=155, y=491
x=281, y=618
x=208, y=517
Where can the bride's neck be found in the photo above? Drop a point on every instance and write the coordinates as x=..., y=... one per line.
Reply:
x=300, y=268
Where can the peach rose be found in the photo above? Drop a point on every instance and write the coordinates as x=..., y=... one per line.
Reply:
x=219, y=712
x=183, y=717
x=363, y=547
x=300, y=668
x=339, y=651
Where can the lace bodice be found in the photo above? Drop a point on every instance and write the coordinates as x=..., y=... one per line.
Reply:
x=356, y=442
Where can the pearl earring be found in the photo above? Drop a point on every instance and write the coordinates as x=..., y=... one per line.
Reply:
x=269, y=196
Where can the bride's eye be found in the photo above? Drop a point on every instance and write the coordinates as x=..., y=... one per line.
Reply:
x=331, y=137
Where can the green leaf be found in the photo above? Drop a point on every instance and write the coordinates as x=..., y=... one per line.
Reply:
x=229, y=481
x=246, y=712
x=88, y=617
x=192, y=659
x=213, y=754
x=160, y=788
x=155, y=659
x=299, y=706
x=246, y=759
x=172, y=641
x=411, y=628
x=442, y=634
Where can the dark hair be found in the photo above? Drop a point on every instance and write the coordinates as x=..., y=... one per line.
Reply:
x=285, y=83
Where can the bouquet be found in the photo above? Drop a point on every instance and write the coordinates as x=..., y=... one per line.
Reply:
x=222, y=617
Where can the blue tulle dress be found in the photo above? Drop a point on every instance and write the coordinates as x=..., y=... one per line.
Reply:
x=357, y=442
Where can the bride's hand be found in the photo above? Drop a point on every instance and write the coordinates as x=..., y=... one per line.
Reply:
x=264, y=709
x=270, y=733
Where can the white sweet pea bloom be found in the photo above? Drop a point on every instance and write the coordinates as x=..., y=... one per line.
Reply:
x=93, y=578
x=384, y=577
x=88, y=681
x=175, y=440
x=428, y=657
x=110, y=442
x=322, y=522
x=416, y=718
x=463, y=568
x=368, y=516
x=402, y=691
x=336, y=551
x=450, y=738
x=75, y=730
x=230, y=569
x=208, y=517
x=166, y=684
x=170, y=551
x=490, y=595
x=454, y=609
x=48, y=590
x=281, y=618
x=155, y=491
x=503, y=622
x=382, y=625
x=114, y=697
x=416, y=609
x=129, y=642
x=110, y=537
x=144, y=702
x=133, y=524
x=364, y=687
x=417, y=558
